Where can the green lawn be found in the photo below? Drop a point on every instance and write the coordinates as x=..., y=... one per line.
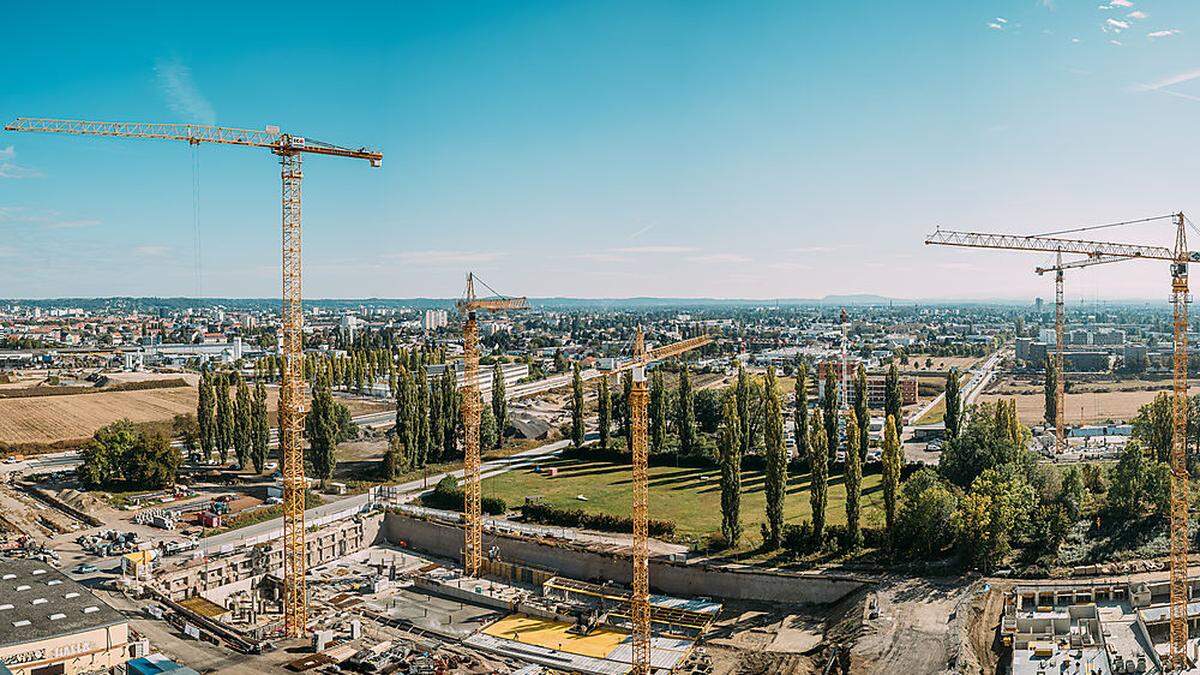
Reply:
x=691, y=498
x=936, y=414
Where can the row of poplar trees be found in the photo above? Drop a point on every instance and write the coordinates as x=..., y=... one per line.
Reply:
x=230, y=417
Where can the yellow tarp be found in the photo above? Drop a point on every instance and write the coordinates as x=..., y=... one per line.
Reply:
x=203, y=606
x=553, y=635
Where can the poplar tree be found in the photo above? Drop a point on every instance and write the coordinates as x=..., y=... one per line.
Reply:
x=321, y=429
x=451, y=414
x=204, y=415
x=243, y=430
x=626, y=423
x=953, y=416
x=743, y=393
x=776, y=455
x=487, y=426
x=862, y=410
x=818, y=484
x=604, y=411
x=829, y=406
x=731, y=472
x=262, y=428
x=853, y=480
x=657, y=411
x=687, y=413
x=800, y=409
x=893, y=401
x=499, y=403
x=225, y=423
x=892, y=461
x=577, y=436
x=1050, y=391
x=437, y=425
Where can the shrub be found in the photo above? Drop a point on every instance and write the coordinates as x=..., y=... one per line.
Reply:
x=448, y=496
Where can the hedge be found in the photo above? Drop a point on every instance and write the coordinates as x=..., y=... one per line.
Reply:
x=449, y=497
x=544, y=514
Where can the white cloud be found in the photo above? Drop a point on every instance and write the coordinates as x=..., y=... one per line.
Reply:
x=1115, y=42
x=635, y=250
x=1001, y=19
x=1117, y=25
x=9, y=167
x=1163, y=33
x=719, y=258
x=151, y=250
x=182, y=95
x=995, y=26
x=1074, y=40
x=1164, y=85
x=640, y=232
x=1121, y=3
x=1137, y=14
x=445, y=258
x=50, y=220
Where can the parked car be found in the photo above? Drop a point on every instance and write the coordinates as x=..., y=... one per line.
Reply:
x=85, y=568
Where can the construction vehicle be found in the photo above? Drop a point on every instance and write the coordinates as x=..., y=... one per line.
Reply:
x=471, y=411
x=1179, y=256
x=289, y=148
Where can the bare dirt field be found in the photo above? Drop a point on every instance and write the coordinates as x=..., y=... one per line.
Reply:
x=917, y=362
x=1086, y=407
x=51, y=419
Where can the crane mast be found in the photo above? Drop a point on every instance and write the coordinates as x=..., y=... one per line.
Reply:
x=1178, y=257
x=639, y=398
x=472, y=407
x=289, y=148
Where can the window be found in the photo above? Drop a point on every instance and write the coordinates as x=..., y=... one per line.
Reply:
x=39, y=601
x=54, y=582
x=9, y=576
x=6, y=606
x=57, y=617
x=23, y=587
x=38, y=573
x=20, y=624
x=71, y=596
x=91, y=608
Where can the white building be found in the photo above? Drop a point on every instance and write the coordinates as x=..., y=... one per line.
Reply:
x=435, y=319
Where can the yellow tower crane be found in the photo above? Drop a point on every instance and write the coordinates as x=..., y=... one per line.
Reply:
x=1060, y=381
x=1179, y=256
x=471, y=410
x=289, y=148
x=639, y=398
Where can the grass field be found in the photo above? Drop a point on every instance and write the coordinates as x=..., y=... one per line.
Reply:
x=689, y=497
x=50, y=419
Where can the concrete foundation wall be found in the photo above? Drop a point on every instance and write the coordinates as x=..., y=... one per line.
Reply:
x=672, y=578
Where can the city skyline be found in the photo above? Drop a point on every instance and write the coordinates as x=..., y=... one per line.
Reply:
x=761, y=152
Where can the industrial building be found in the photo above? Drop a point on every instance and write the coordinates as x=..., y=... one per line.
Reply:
x=51, y=625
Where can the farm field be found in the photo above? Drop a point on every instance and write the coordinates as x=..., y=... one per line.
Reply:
x=51, y=419
x=689, y=497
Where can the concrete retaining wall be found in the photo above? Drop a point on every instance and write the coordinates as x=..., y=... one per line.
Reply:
x=679, y=579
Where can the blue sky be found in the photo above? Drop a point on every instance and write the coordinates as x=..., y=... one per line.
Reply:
x=614, y=149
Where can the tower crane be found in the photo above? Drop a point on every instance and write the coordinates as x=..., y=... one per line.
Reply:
x=1059, y=326
x=289, y=148
x=1179, y=256
x=639, y=397
x=471, y=410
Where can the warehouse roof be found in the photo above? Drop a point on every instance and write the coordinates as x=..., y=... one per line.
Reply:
x=39, y=602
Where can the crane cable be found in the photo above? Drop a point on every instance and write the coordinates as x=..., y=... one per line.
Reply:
x=1087, y=228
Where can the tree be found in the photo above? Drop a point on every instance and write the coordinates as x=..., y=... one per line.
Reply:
x=988, y=513
x=893, y=461
x=777, y=461
x=604, y=411
x=925, y=520
x=818, y=485
x=1135, y=483
x=1153, y=426
x=487, y=426
x=731, y=473
x=743, y=393
x=626, y=393
x=225, y=421
x=262, y=428
x=657, y=411
x=576, y=407
x=829, y=406
x=993, y=437
x=800, y=411
x=204, y=415
x=394, y=458
x=687, y=413
x=893, y=398
x=953, y=418
x=321, y=428
x=1050, y=391
x=853, y=480
x=243, y=424
x=499, y=403
x=709, y=405
x=185, y=428
x=119, y=455
x=1073, y=492
x=862, y=410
